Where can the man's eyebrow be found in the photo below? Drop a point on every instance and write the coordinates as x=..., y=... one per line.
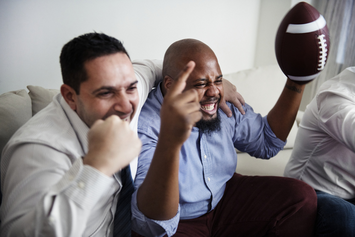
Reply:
x=200, y=79
x=133, y=83
x=103, y=88
x=112, y=88
x=204, y=79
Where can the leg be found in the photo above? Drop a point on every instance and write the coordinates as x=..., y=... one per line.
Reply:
x=335, y=216
x=194, y=227
x=265, y=206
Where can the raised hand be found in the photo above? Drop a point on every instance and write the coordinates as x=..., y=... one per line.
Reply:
x=112, y=145
x=180, y=110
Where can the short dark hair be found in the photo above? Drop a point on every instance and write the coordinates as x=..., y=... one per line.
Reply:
x=82, y=49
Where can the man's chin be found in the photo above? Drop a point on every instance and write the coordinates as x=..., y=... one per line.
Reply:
x=207, y=117
x=209, y=124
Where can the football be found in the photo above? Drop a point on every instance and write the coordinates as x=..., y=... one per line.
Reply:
x=302, y=43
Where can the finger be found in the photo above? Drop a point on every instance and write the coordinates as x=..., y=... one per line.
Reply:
x=179, y=84
x=225, y=108
x=239, y=106
x=97, y=122
x=187, y=96
x=240, y=98
x=237, y=103
x=192, y=107
x=195, y=117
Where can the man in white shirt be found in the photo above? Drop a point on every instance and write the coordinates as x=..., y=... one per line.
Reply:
x=61, y=171
x=324, y=154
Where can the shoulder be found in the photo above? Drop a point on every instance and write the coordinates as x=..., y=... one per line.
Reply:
x=236, y=115
x=149, y=117
x=49, y=127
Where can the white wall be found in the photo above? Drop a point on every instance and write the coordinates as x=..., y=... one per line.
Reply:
x=32, y=32
x=270, y=16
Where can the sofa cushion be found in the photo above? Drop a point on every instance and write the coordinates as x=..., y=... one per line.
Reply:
x=40, y=97
x=15, y=110
x=261, y=87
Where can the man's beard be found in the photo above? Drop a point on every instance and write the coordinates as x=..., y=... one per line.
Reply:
x=209, y=126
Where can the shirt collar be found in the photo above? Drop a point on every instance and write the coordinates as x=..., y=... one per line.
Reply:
x=80, y=128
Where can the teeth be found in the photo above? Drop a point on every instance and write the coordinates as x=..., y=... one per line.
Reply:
x=208, y=107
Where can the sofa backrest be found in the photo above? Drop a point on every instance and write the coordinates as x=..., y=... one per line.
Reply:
x=17, y=107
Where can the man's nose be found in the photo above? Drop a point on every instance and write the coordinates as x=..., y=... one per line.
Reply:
x=212, y=91
x=123, y=104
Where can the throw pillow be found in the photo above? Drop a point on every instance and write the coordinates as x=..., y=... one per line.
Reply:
x=15, y=110
x=40, y=97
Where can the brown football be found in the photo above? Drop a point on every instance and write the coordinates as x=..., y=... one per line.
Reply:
x=302, y=43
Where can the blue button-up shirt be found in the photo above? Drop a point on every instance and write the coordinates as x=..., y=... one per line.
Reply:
x=207, y=161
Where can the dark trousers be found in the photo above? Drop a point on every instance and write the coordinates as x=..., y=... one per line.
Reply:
x=258, y=206
x=335, y=217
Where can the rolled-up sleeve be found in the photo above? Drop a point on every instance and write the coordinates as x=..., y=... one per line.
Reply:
x=254, y=135
x=140, y=223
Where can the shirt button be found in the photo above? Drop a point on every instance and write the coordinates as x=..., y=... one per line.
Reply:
x=81, y=185
x=205, y=157
x=208, y=179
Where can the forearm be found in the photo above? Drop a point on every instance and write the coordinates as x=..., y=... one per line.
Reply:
x=51, y=199
x=283, y=114
x=158, y=196
x=149, y=72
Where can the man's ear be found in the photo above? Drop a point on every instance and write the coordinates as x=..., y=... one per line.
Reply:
x=69, y=96
x=168, y=81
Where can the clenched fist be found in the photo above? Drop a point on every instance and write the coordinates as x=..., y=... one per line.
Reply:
x=112, y=145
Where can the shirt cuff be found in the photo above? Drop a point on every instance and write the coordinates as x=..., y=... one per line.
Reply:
x=84, y=184
x=149, y=227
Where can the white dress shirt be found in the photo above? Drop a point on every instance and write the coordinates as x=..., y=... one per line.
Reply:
x=47, y=191
x=324, y=151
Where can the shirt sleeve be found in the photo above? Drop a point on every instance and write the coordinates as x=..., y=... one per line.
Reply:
x=337, y=116
x=149, y=73
x=46, y=195
x=140, y=223
x=252, y=134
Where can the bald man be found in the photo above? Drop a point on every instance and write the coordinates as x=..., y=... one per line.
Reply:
x=186, y=181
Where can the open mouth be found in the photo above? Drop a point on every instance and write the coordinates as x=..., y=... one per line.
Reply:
x=210, y=108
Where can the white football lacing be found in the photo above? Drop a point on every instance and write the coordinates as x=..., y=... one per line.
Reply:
x=323, y=52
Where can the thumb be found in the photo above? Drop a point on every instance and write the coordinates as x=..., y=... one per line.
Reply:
x=179, y=84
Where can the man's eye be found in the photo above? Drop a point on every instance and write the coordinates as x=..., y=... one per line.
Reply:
x=105, y=94
x=218, y=82
x=132, y=88
x=200, y=85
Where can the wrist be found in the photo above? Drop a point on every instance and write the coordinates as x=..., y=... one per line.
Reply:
x=97, y=164
x=297, y=87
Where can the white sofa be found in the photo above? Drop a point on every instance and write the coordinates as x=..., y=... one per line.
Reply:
x=260, y=88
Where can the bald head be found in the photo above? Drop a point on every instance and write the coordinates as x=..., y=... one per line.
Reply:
x=205, y=79
x=183, y=51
